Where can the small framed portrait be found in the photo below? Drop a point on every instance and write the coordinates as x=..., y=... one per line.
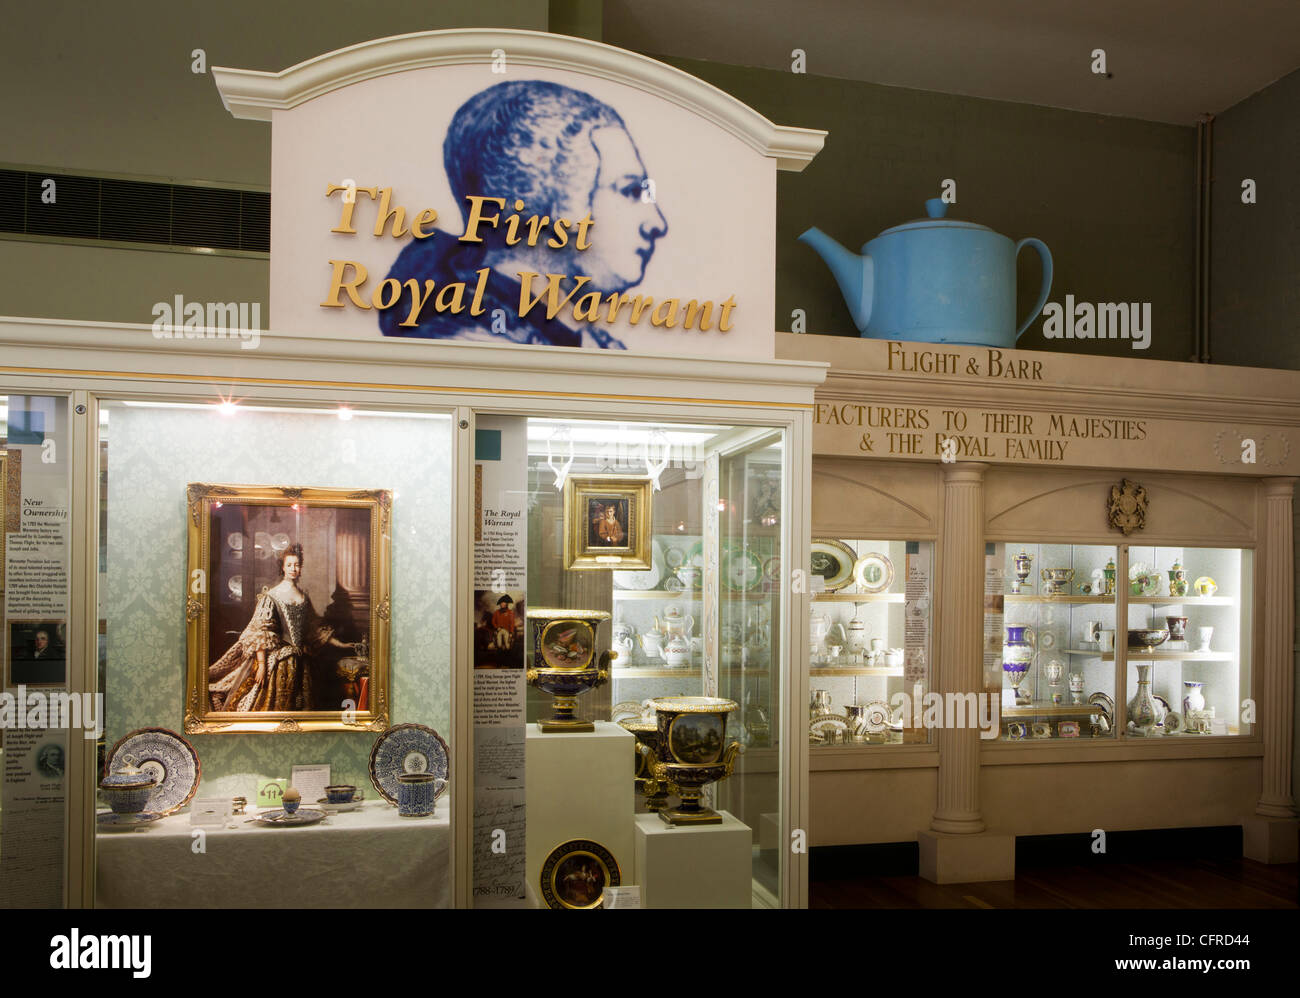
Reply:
x=287, y=608
x=607, y=522
x=37, y=655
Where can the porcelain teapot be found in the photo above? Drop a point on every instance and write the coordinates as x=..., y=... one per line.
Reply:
x=677, y=651
x=934, y=280
x=675, y=622
x=857, y=636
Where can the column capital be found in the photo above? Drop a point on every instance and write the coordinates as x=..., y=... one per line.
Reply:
x=1279, y=487
x=964, y=471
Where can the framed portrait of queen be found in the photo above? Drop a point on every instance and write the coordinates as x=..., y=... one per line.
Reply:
x=607, y=522
x=287, y=607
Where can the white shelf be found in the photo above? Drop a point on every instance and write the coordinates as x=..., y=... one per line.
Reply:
x=859, y=598
x=1139, y=655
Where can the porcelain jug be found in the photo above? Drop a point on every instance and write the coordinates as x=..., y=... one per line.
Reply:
x=934, y=280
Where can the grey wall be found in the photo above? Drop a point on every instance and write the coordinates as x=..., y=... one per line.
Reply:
x=1255, y=255
x=1113, y=198
x=108, y=90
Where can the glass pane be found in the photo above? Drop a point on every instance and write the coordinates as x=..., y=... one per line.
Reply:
x=35, y=506
x=1189, y=641
x=1057, y=640
x=650, y=555
x=274, y=593
x=870, y=633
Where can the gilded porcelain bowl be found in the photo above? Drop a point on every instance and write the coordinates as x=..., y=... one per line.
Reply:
x=127, y=794
x=1147, y=637
x=1058, y=580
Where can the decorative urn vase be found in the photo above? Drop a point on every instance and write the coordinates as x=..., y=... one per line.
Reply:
x=565, y=662
x=692, y=753
x=1177, y=628
x=1109, y=574
x=654, y=791
x=1143, y=711
x=1023, y=562
x=1193, y=698
x=127, y=788
x=1177, y=581
x=1017, y=657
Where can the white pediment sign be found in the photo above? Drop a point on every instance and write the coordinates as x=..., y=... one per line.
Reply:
x=519, y=187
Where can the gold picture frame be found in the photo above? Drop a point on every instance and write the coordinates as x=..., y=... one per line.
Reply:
x=616, y=537
x=240, y=539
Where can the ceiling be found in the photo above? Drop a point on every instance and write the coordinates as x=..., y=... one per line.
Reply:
x=1169, y=60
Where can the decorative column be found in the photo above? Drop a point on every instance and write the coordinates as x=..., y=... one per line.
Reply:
x=1275, y=679
x=959, y=643
x=352, y=572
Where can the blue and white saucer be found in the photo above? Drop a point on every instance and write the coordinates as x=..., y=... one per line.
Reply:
x=407, y=748
x=107, y=821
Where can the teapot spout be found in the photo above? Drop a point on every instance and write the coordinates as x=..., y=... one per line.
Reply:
x=855, y=274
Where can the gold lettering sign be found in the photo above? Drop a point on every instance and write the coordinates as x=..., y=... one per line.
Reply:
x=539, y=293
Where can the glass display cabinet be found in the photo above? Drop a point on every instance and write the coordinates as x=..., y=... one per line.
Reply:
x=1060, y=602
x=1189, y=642
x=691, y=609
x=869, y=641
x=1184, y=649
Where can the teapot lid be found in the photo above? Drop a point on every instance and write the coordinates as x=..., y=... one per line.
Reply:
x=936, y=209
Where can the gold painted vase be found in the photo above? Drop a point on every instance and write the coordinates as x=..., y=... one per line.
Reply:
x=565, y=662
x=692, y=753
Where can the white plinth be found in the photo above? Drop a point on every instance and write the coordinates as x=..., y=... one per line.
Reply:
x=694, y=866
x=579, y=786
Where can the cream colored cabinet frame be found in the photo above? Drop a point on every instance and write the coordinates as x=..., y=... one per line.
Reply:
x=892, y=501
x=93, y=361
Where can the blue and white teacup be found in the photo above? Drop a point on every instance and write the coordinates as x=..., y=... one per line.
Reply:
x=416, y=793
x=342, y=793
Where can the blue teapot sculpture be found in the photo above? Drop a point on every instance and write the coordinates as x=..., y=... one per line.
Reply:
x=935, y=280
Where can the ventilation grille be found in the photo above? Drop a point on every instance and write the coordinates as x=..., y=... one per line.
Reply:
x=135, y=212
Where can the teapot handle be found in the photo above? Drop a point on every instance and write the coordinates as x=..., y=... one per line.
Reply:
x=1045, y=255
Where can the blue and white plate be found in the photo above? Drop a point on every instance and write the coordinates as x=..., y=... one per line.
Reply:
x=406, y=748
x=110, y=822
x=168, y=758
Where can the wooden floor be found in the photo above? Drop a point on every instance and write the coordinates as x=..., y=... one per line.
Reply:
x=1238, y=883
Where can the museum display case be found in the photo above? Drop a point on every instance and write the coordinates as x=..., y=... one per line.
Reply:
x=654, y=553
x=869, y=641
x=298, y=560
x=1115, y=584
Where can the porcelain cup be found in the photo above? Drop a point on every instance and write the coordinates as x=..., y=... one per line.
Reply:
x=1204, y=634
x=1106, y=640
x=416, y=793
x=342, y=793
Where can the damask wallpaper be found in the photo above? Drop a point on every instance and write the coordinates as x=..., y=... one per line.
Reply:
x=154, y=452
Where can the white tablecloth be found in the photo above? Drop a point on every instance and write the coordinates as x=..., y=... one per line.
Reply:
x=368, y=858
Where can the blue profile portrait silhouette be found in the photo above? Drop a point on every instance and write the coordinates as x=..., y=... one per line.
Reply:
x=565, y=154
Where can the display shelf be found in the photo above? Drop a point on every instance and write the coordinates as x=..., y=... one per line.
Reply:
x=653, y=671
x=859, y=598
x=1062, y=710
x=695, y=596
x=1138, y=654
x=861, y=670
x=1132, y=600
